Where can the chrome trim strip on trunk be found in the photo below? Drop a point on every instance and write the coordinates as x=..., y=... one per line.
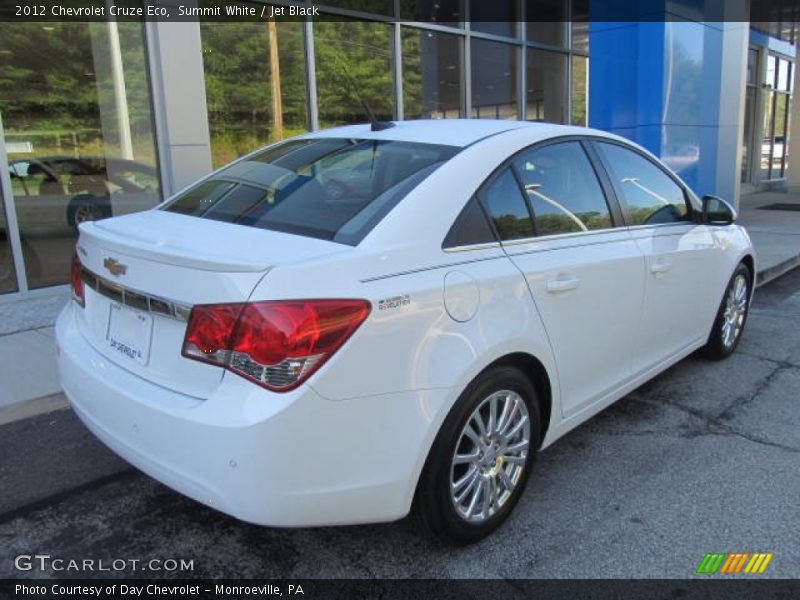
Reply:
x=135, y=299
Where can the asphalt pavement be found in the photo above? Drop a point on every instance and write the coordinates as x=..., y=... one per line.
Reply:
x=704, y=458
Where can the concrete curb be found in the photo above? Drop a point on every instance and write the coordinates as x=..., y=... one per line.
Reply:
x=775, y=271
x=31, y=408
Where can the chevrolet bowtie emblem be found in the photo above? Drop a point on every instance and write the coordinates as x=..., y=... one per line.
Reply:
x=114, y=266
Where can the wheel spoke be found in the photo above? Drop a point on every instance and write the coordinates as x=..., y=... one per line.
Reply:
x=492, y=415
x=505, y=480
x=487, y=497
x=461, y=459
x=471, y=485
x=518, y=447
x=478, y=420
x=473, y=501
x=507, y=404
x=465, y=479
x=511, y=417
x=473, y=435
x=516, y=429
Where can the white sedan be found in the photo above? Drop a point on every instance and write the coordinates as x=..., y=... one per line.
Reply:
x=295, y=358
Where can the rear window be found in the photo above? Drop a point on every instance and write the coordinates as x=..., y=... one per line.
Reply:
x=327, y=188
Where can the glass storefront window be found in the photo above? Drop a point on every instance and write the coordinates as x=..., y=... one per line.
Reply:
x=784, y=75
x=353, y=63
x=580, y=89
x=431, y=75
x=547, y=86
x=546, y=21
x=378, y=7
x=255, y=85
x=441, y=12
x=498, y=17
x=494, y=80
x=8, y=276
x=76, y=106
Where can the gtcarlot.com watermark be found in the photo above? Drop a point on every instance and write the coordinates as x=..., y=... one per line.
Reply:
x=48, y=563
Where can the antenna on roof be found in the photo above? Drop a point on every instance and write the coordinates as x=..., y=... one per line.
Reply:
x=376, y=124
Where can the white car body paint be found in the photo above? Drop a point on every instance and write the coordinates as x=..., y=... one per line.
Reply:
x=348, y=445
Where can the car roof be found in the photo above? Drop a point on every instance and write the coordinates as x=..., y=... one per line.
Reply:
x=451, y=132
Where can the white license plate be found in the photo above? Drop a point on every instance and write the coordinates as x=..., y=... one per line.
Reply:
x=129, y=333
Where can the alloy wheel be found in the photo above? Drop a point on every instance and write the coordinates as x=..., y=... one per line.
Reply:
x=490, y=456
x=735, y=311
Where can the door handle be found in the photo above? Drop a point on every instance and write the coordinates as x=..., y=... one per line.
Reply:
x=562, y=283
x=660, y=265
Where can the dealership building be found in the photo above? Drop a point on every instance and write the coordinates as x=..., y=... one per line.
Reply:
x=105, y=118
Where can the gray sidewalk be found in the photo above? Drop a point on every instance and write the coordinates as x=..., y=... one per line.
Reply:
x=775, y=233
x=28, y=381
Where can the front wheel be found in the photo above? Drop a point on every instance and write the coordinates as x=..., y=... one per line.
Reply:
x=481, y=459
x=731, y=316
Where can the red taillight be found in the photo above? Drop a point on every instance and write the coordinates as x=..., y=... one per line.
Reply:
x=76, y=280
x=278, y=343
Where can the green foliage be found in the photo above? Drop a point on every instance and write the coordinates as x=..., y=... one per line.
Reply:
x=353, y=64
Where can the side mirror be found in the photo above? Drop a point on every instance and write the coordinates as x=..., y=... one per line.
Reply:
x=717, y=211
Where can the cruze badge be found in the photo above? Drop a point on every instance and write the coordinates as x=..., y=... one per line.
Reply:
x=115, y=267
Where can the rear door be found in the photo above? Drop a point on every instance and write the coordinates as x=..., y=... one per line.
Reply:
x=683, y=259
x=585, y=275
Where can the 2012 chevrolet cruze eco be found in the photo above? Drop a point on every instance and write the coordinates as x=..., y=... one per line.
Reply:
x=293, y=351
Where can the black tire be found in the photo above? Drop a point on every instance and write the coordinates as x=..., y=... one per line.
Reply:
x=720, y=346
x=433, y=507
x=86, y=207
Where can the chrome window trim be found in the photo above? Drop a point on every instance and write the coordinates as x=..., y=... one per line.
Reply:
x=561, y=236
x=156, y=305
x=469, y=247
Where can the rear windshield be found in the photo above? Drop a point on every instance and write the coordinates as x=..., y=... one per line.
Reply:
x=327, y=188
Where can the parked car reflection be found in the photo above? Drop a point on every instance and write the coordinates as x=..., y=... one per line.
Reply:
x=53, y=194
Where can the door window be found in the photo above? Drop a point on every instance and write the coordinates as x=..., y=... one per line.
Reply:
x=563, y=189
x=650, y=195
x=507, y=209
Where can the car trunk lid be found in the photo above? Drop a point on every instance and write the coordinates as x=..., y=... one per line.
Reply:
x=143, y=272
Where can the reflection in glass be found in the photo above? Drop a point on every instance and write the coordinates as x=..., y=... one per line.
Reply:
x=546, y=21
x=766, y=142
x=255, y=85
x=784, y=77
x=779, y=141
x=353, y=63
x=547, y=86
x=79, y=133
x=441, y=12
x=494, y=80
x=651, y=196
x=747, y=138
x=563, y=189
x=431, y=75
x=379, y=7
x=580, y=86
x=507, y=208
x=498, y=17
x=8, y=276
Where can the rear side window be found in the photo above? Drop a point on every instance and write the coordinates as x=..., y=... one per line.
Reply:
x=470, y=228
x=327, y=188
x=650, y=195
x=507, y=208
x=563, y=189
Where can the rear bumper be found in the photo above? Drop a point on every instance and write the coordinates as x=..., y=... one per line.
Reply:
x=293, y=459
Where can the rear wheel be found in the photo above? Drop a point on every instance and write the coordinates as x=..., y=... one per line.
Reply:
x=480, y=461
x=731, y=316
